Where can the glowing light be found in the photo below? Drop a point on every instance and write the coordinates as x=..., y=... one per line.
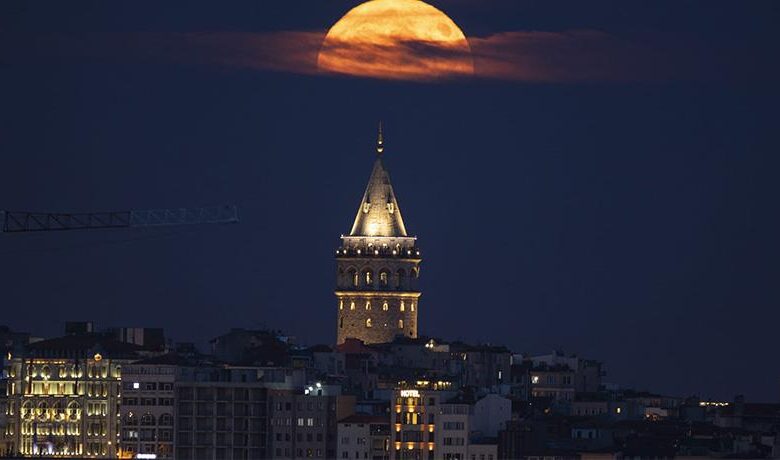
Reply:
x=98, y=357
x=410, y=394
x=396, y=39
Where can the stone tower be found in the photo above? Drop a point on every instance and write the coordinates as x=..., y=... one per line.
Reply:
x=378, y=266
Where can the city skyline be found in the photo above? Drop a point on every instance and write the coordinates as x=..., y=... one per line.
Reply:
x=626, y=220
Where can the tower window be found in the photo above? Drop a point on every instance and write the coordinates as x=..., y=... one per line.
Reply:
x=368, y=305
x=384, y=306
x=341, y=322
x=368, y=322
x=353, y=274
x=400, y=324
x=411, y=306
x=403, y=306
x=399, y=282
x=369, y=278
x=341, y=304
x=352, y=305
x=383, y=278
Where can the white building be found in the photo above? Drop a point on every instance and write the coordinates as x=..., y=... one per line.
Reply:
x=364, y=437
x=490, y=415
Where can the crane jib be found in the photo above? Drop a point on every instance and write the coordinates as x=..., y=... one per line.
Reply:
x=23, y=221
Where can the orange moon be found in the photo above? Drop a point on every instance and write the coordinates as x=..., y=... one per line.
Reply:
x=396, y=39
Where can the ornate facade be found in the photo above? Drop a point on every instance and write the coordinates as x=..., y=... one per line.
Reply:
x=63, y=398
x=378, y=267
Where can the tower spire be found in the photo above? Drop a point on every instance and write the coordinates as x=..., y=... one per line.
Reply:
x=380, y=142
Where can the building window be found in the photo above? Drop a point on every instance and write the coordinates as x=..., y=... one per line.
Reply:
x=411, y=306
x=352, y=305
x=369, y=276
x=353, y=274
x=341, y=304
x=399, y=282
x=400, y=324
x=384, y=306
x=341, y=322
x=368, y=322
x=368, y=305
x=403, y=306
x=383, y=278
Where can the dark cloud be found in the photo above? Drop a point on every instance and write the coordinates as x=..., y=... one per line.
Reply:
x=523, y=56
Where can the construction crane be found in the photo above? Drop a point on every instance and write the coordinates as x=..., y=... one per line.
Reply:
x=25, y=222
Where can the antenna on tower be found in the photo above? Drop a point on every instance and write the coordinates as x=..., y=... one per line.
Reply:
x=380, y=142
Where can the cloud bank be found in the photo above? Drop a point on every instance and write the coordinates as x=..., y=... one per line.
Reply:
x=521, y=56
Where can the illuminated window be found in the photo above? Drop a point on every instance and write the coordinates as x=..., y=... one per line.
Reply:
x=369, y=278
x=411, y=306
x=390, y=208
x=383, y=278
x=353, y=274
x=352, y=305
x=368, y=322
x=368, y=305
x=535, y=379
x=403, y=306
x=400, y=324
x=341, y=304
x=385, y=306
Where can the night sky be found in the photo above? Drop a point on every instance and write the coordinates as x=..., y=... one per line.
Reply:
x=628, y=219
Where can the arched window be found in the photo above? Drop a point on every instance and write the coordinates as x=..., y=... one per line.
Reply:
x=166, y=420
x=353, y=275
x=368, y=305
x=147, y=419
x=416, y=272
x=73, y=411
x=368, y=322
x=42, y=411
x=58, y=410
x=400, y=279
x=403, y=306
x=352, y=305
x=368, y=277
x=384, y=306
x=131, y=419
x=384, y=277
x=341, y=304
x=411, y=306
x=400, y=324
x=27, y=410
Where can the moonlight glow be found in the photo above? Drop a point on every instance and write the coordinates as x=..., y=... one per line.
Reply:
x=396, y=39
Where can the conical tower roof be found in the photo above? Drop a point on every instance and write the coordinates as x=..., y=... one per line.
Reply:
x=379, y=214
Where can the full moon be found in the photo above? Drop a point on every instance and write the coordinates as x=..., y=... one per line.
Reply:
x=396, y=39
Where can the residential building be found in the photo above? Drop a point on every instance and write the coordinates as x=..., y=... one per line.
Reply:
x=364, y=436
x=147, y=409
x=221, y=414
x=304, y=421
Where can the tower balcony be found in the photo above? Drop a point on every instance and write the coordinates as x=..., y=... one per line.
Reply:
x=368, y=251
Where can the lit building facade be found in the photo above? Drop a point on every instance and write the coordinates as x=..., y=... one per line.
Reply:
x=414, y=422
x=378, y=267
x=63, y=397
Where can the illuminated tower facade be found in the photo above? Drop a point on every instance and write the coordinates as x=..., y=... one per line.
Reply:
x=378, y=267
